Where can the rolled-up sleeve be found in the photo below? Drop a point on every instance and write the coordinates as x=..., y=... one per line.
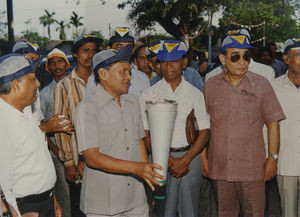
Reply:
x=272, y=110
x=201, y=115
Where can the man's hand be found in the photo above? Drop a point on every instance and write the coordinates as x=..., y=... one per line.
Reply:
x=57, y=208
x=55, y=124
x=80, y=167
x=178, y=167
x=204, y=163
x=145, y=171
x=71, y=173
x=270, y=168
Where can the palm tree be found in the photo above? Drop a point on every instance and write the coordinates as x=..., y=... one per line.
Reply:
x=75, y=21
x=47, y=20
x=61, y=29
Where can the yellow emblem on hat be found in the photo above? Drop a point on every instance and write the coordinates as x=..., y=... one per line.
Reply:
x=88, y=36
x=170, y=46
x=233, y=32
x=239, y=38
x=34, y=45
x=154, y=47
x=122, y=31
x=296, y=39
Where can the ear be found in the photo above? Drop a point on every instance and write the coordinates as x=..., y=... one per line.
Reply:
x=135, y=62
x=185, y=62
x=222, y=58
x=103, y=74
x=16, y=86
x=286, y=59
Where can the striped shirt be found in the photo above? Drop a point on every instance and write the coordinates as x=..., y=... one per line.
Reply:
x=67, y=94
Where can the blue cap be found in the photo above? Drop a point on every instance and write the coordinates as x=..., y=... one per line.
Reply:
x=14, y=66
x=107, y=57
x=121, y=34
x=152, y=49
x=24, y=47
x=291, y=43
x=239, y=32
x=235, y=41
x=171, y=50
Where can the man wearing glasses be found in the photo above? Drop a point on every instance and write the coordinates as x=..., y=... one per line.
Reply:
x=239, y=103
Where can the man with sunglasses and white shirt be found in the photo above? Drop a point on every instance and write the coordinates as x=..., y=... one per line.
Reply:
x=239, y=103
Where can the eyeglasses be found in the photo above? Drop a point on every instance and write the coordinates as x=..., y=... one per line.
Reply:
x=236, y=57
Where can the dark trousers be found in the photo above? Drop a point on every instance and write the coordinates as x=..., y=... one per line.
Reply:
x=75, y=200
x=45, y=208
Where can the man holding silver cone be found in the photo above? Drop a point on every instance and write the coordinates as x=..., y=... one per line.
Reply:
x=184, y=165
x=110, y=136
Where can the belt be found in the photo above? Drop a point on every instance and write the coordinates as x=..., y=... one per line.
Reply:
x=36, y=198
x=181, y=149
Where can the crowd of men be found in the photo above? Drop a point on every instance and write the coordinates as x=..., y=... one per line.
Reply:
x=81, y=145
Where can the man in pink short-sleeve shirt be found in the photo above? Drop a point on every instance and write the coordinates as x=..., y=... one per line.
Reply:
x=239, y=103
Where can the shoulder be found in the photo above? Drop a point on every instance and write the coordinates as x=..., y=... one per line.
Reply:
x=214, y=72
x=192, y=89
x=276, y=83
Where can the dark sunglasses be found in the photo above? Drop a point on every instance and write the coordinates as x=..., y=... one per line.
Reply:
x=236, y=57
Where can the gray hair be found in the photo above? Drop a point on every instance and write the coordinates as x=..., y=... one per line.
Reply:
x=5, y=88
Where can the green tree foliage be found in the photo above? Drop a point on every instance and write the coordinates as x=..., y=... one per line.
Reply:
x=47, y=20
x=183, y=19
x=36, y=38
x=61, y=28
x=75, y=21
x=278, y=18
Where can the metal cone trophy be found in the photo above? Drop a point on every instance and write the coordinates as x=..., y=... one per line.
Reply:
x=161, y=117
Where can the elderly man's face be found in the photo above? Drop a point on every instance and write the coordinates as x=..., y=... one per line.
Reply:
x=117, y=79
x=28, y=86
x=293, y=60
x=118, y=45
x=172, y=70
x=236, y=61
x=57, y=66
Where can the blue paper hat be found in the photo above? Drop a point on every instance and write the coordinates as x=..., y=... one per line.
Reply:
x=24, y=47
x=291, y=43
x=171, y=50
x=121, y=34
x=107, y=57
x=152, y=49
x=235, y=41
x=14, y=66
x=239, y=32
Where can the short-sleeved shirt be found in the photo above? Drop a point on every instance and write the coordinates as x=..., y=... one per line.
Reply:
x=237, y=114
x=188, y=98
x=289, y=153
x=101, y=122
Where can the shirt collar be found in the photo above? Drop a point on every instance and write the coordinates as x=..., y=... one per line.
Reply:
x=106, y=97
x=180, y=86
x=286, y=80
x=9, y=108
x=248, y=75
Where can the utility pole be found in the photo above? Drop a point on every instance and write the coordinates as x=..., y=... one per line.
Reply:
x=10, y=19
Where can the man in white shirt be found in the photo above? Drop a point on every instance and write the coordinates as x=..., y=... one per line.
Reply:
x=287, y=90
x=184, y=166
x=27, y=171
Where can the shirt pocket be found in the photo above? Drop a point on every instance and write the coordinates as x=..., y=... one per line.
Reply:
x=217, y=107
x=249, y=104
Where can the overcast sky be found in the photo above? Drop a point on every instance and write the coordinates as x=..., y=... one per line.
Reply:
x=95, y=15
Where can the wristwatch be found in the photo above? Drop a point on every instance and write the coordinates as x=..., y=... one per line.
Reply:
x=274, y=156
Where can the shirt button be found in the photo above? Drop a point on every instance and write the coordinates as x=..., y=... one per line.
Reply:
x=125, y=130
x=127, y=148
x=128, y=184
